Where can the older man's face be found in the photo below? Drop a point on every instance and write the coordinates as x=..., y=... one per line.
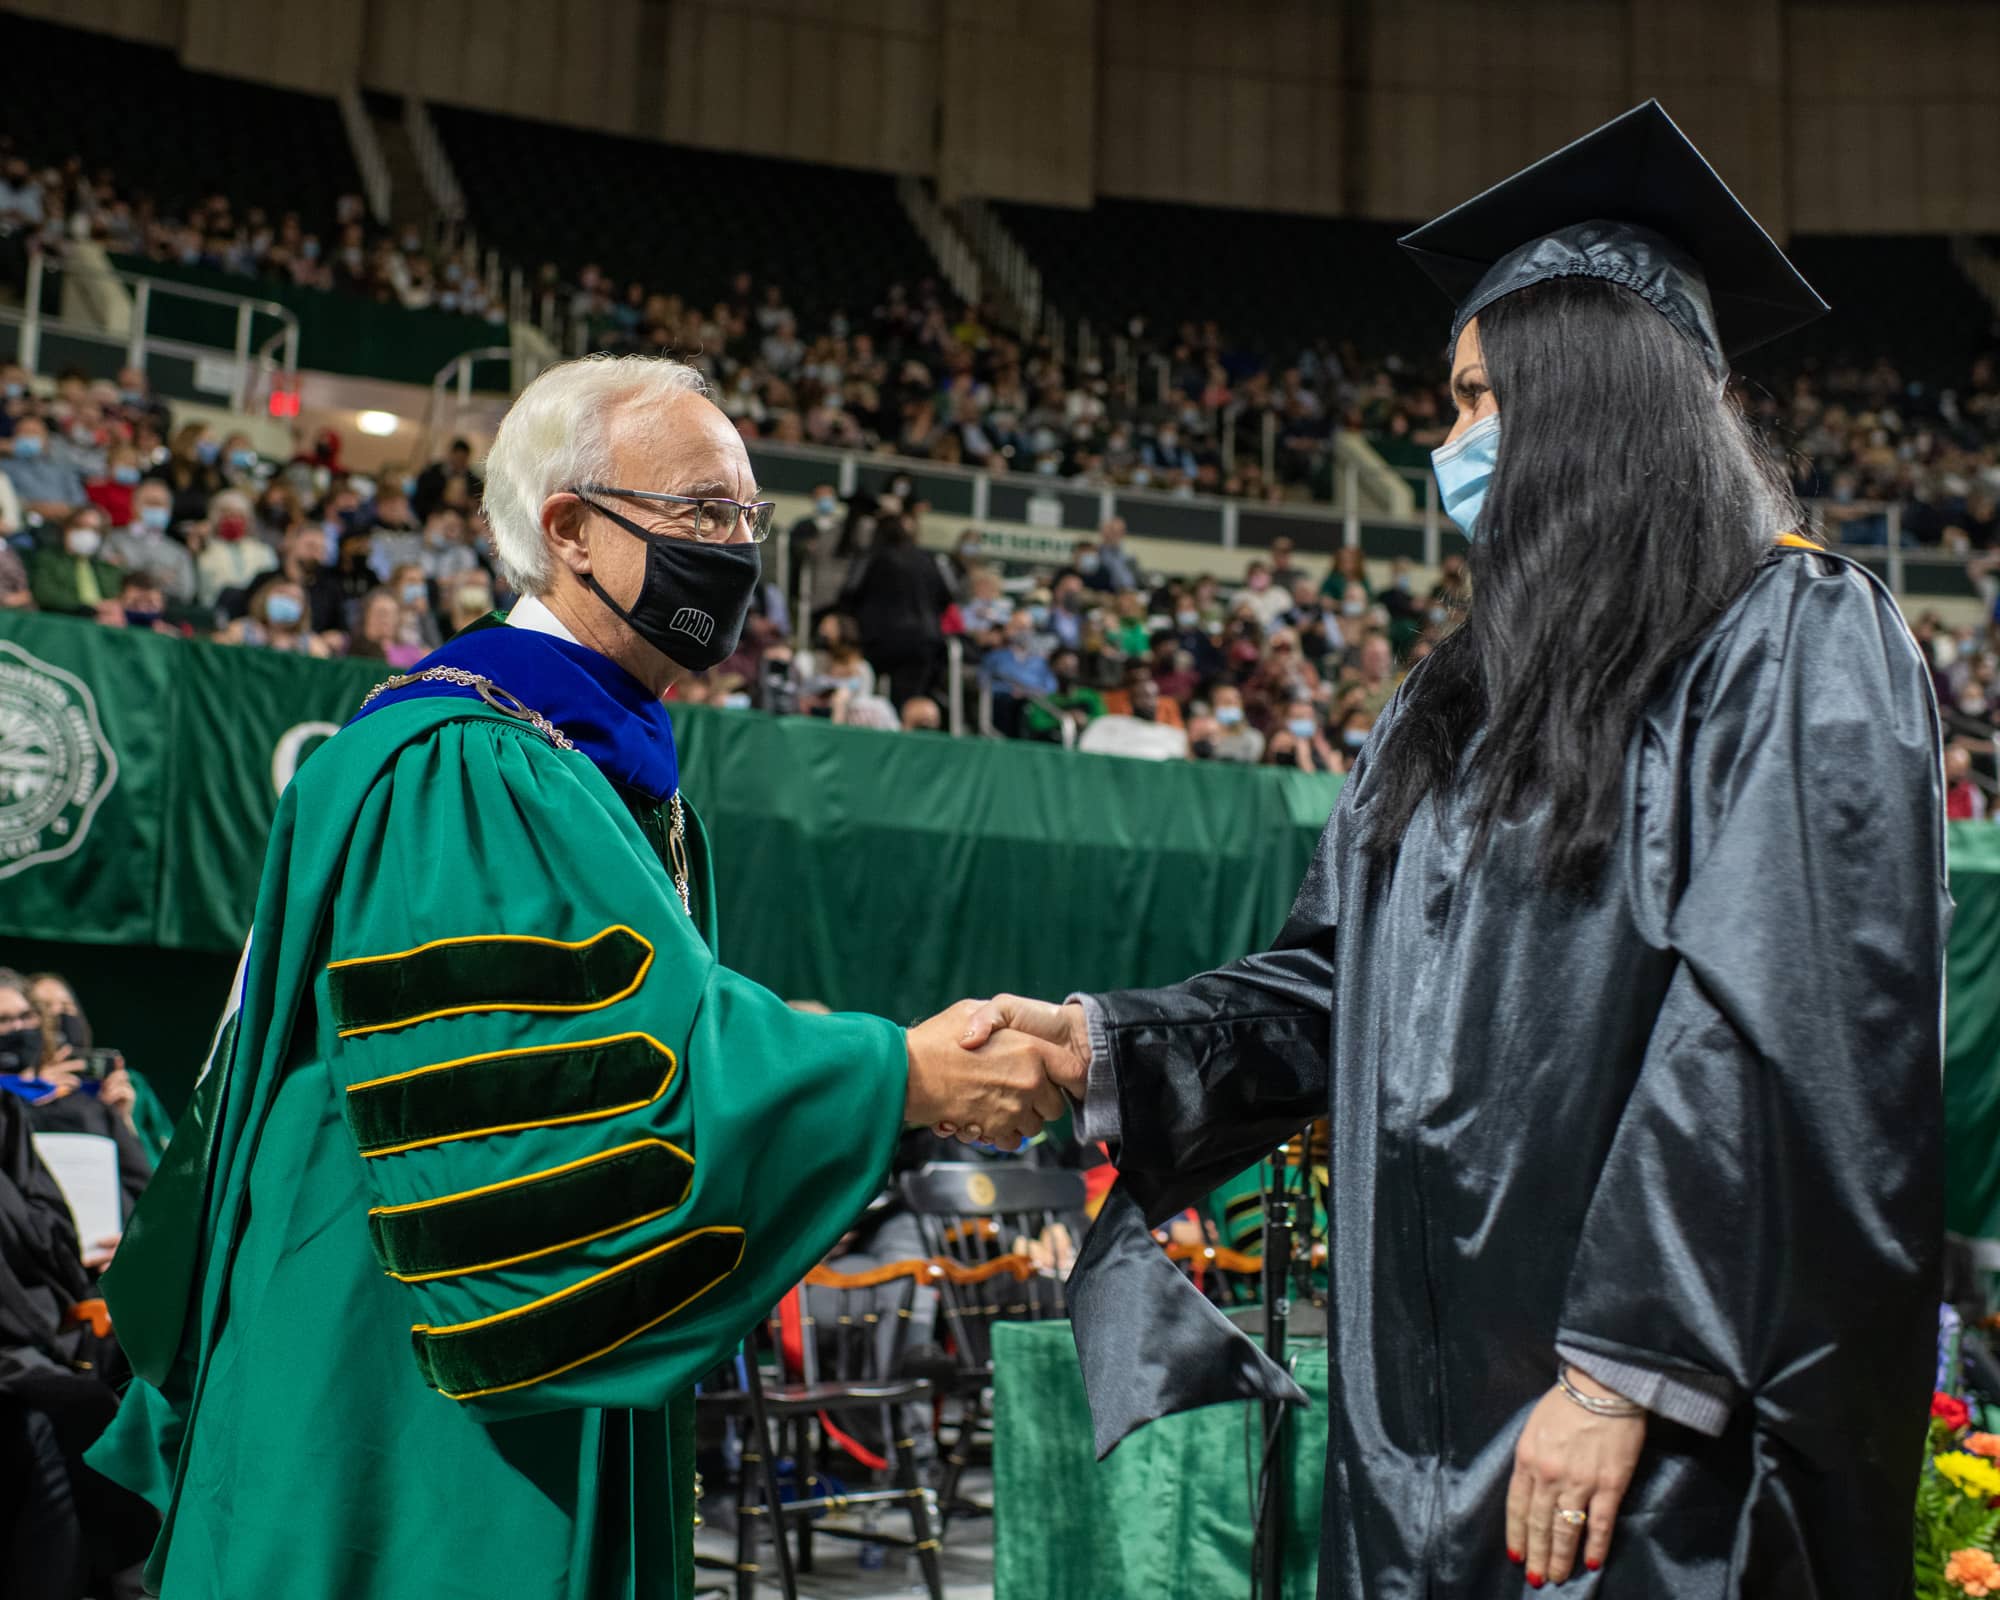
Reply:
x=685, y=446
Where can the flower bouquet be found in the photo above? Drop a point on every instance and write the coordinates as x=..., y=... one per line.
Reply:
x=1958, y=1496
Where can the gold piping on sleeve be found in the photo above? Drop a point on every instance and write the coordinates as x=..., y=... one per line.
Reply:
x=631, y=988
x=575, y=1288
x=666, y=1079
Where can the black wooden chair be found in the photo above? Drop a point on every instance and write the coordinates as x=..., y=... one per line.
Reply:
x=852, y=1330
x=995, y=1229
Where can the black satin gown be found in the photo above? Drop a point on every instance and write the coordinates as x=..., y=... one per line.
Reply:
x=1692, y=1123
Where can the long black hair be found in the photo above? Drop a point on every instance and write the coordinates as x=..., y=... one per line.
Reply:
x=1629, y=505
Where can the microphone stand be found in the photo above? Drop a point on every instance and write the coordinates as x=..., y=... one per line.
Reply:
x=1267, y=1539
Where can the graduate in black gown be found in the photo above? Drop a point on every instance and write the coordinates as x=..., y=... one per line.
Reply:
x=1618, y=971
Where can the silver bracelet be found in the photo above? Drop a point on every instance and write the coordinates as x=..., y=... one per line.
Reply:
x=1594, y=1404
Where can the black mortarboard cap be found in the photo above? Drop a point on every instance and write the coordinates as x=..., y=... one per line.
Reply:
x=1634, y=203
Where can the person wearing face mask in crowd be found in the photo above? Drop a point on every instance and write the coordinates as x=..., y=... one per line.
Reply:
x=653, y=1148
x=1236, y=740
x=49, y=488
x=231, y=559
x=238, y=462
x=1378, y=674
x=143, y=544
x=1266, y=600
x=471, y=601
x=383, y=634
x=812, y=537
x=833, y=665
x=413, y=594
x=1312, y=751
x=111, y=490
x=279, y=620
x=75, y=578
x=394, y=534
x=307, y=560
x=141, y=604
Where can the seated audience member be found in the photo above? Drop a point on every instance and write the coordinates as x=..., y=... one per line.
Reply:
x=835, y=665
x=239, y=463
x=50, y=488
x=1266, y=600
x=278, y=621
x=1016, y=671
x=111, y=490
x=304, y=560
x=448, y=547
x=1148, y=703
x=469, y=597
x=1075, y=702
x=450, y=482
x=143, y=544
x=141, y=603
x=190, y=471
x=74, y=1087
x=1139, y=735
x=1963, y=799
x=1378, y=673
x=921, y=714
x=65, y=1532
x=420, y=621
x=1202, y=732
x=1236, y=740
x=232, y=558
x=1300, y=719
x=383, y=634
x=395, y=534
x=1348, y=578
x=75, y=578
x=988, y=607
x=1114, y=562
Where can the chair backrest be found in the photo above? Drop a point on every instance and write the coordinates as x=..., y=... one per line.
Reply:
x=973, y=1215
x=856, y=1325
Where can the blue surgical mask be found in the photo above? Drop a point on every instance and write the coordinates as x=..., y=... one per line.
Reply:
x=206, y=451
x=413, y=594
x=155, y=517
x=1229, y=716
x=825, y=505
x=27, y=446
x=127, y=475
x=243, y=460
x=284, y=610
x=1301, y=727
x=1464, y=468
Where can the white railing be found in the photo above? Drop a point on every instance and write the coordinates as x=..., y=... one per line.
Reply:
x=367, y=150
x=440, y=180
x=456, y=375
x=253, y=364
x=1012, y=268
x=955, y=257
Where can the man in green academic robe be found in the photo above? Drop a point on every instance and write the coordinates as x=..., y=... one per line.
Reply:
x=492, y=1160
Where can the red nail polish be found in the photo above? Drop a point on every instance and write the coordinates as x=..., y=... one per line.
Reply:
x=1534, y=1580
x=1515, y=1556
x=1594, y=1564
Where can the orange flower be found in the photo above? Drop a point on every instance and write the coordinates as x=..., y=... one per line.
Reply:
x=1983, y=1444
x=1974, y=1571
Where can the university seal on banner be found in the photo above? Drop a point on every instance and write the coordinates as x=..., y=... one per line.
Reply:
x=56, y=766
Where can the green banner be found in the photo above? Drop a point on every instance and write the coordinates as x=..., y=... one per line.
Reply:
x=881, y=872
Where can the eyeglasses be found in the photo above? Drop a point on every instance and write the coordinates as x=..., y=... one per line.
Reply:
x=713, y=521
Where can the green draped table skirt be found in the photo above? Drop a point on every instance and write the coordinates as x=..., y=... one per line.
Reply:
x=1168, y=1516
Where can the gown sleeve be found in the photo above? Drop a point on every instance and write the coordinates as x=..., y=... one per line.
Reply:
x=1208, y=1075
x=594, y=1155
x=1769, y=1218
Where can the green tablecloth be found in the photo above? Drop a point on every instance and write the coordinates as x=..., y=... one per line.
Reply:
x=1167, y=1517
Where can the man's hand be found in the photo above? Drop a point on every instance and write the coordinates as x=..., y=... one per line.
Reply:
x=997, y=1091
x=1063, y=1028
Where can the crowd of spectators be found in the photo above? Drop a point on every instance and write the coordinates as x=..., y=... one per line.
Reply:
x=68, y=1531
x=111, y=512
x=923, y=374
x=48, y=207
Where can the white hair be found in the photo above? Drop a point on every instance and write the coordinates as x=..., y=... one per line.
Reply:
x=555, y=437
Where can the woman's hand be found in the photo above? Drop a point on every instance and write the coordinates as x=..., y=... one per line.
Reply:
x=62, y=1069
x=1569, y=1459
x=117, y=1093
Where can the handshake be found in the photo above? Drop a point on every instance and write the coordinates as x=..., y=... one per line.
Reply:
x=993, y=1071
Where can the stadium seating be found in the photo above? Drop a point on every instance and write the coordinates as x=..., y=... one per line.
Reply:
x=1273, y=282
x=682, y=220
x=170, y=133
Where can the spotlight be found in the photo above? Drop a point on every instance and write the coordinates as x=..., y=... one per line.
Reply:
x=376, y=424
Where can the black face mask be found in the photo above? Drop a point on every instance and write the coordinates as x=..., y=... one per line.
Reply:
x=694, y=597
x=20, y=1051
x=75, y=1033
x=1203, y=749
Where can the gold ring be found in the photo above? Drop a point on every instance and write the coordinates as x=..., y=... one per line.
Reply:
x=1575, y=1519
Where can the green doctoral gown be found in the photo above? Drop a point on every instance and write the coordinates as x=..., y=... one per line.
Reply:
x=491, y=1163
